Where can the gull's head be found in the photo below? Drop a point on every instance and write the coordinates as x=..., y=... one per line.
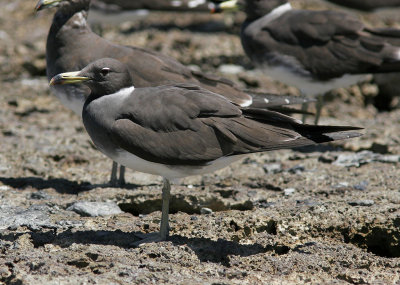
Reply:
x=104, y=76
x=45, y=4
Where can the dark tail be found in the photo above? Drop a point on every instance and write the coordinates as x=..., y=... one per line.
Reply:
x=321, y=134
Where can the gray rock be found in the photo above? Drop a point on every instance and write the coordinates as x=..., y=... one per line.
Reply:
x=40, y=195
x=362, y=186
x=364, y=157
x=35, y=217
x=297, y=169
x=272, y=168
x=289, y=191
x=366, y=203
x=94, y=209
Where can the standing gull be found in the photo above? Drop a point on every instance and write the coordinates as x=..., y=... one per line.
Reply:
x=315, y=51
x=71, y=45
x=179, y=130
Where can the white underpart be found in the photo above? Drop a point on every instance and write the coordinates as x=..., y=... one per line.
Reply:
x=397, y=54
x=176, y=3
x=74, y=100
x=170, y=171
x=266, y=100
x=307, y=85
x=195, y=3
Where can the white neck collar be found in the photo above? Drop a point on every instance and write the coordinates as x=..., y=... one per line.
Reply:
x=124, y=91
x=278, y=11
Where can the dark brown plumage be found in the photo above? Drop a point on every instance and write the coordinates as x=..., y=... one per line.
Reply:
x=181, y=130
x=71, y=45
x=315, y=51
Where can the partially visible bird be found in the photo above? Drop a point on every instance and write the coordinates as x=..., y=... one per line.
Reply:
x=315, y=51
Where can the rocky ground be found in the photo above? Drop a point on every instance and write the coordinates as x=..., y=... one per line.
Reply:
x=328, y=215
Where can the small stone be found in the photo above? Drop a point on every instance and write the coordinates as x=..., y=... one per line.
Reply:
x=40, y=195
x=297, y=169
x=94, y=209
x=5, y=188
x=365, y=203
x=389, y=158
x=272, y=168
x=379, y=148
x=34, y=218
x=326, y=158
x=362, y=186
x=230, y=68
x=194, y=218
x=342, y=184
x=355, y=159
x=205, y=211
x=289, y=191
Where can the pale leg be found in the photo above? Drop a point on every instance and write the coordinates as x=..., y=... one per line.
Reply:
x=304, y=108
x=121, y=180
x=318, y=106
x=164, y=225
x=113, y=178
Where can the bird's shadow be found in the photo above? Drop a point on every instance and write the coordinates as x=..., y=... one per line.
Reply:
x=207, y=250
x=61, y=185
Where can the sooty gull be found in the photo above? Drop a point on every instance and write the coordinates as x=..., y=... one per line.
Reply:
x=315, y=51
x=387, y=83
x=180, y=129
x=71, y=45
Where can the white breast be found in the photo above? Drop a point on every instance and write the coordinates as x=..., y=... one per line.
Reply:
x=170, y=171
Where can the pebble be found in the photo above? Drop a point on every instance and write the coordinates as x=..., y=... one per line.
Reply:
x=94, y=209
x=5, y=188
x=230, y=68
x=40, y=195
x=362, y=186
x=366, y=203
x=34, y=218
x=205, y=211
x=297, y=169
x=289, y=191
x=364, y=157
x=272, y=168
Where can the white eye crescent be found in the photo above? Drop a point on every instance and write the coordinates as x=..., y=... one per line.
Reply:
x=104, y=71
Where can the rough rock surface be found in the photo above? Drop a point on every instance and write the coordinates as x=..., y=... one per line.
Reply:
x=327, y=215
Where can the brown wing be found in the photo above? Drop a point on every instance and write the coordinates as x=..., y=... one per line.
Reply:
x=187, y=125
x=326, y=43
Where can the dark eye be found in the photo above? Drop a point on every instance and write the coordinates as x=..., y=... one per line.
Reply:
x=104, y=71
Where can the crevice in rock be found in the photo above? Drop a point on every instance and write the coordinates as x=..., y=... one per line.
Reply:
x=136, y=205
x=377, y=240
x=270, y=227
